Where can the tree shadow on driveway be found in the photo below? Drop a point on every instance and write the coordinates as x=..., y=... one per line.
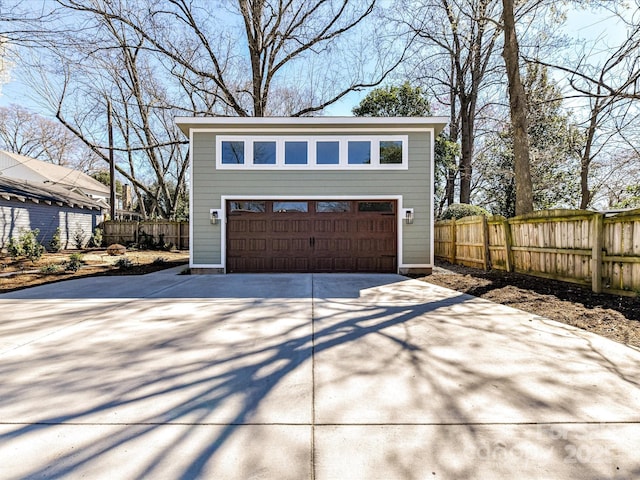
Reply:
x=450, y=367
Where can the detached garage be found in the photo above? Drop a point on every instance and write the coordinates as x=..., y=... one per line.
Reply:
x=313, y=194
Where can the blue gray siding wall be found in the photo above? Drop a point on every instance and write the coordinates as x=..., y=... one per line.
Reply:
x=16, y=216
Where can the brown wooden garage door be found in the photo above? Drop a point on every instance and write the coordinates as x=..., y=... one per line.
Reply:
x=311, y=236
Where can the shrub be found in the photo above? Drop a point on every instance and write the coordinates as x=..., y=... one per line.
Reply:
x=460, y=210
x=96, y=238
x=146, y=241
x=159, y=261
x=55, y=245
x=27, y=245
x=74, y=263
x=79, y=237
x=50, y=268
x=14, y=247
x=124, y=263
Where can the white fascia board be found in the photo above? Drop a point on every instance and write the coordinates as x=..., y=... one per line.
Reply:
x=188, y=123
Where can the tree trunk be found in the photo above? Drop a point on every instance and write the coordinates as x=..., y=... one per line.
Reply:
x=518, y=108
x=466, y=151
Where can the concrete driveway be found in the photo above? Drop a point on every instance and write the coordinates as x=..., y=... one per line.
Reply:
x=304, y=377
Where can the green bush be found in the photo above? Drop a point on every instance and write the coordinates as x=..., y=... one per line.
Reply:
x=55, y=245
x=14, y=247
x=27, y=245
x=50, y=268
x=79, y=237
x=74, y=263
x=460, y=210
x=124, y=263
x=96, y=238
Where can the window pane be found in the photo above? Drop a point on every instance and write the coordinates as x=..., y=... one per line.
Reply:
x=322, y=207
x=295, y=153
x=232, y=152
x=256, y=207
x=264, y=153
x=327, y=153
x=290, y=207
x=391, y=152
x=375, y=206
x=359, y=153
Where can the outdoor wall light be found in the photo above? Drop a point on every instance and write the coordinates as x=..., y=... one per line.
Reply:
x=408, y=215
x=215, y=215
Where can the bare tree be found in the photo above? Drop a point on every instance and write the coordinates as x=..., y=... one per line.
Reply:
x=279, y=36
x=460, y=40
x=27, y=133
x=609, y=81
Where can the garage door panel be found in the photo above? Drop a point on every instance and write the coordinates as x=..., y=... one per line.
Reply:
x=248, y=264
x=290, y=264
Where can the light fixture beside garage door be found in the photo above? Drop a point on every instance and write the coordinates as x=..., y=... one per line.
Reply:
x=215, y=214
x=408, y=215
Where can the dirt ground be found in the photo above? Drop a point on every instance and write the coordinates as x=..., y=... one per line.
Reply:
x=21, y=273
x=611, y=316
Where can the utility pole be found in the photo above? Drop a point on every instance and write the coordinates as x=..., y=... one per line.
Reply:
x=112, y=167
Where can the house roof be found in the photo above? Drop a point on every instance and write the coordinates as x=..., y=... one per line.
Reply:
x=309, y=123
x=57, y=174
x=21, y=190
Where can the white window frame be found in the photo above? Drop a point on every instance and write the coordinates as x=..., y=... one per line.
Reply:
x=343, y=142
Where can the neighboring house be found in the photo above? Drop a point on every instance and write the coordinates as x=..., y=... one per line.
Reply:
x=37, y=172
x=311, y=194
x=27, y=206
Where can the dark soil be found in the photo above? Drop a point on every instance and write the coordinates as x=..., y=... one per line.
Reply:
x=611, y=316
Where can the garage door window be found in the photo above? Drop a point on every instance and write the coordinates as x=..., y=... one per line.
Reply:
x=255, y=207
x=375, y=206
x=333, y=207
x=287, y=207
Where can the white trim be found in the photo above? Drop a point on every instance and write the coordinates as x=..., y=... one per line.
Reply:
x=261, y=130
x=191, y=122
x=225, y=198
x=191, y=201
x=417, y=265
x=432, y=200
x=312, y=140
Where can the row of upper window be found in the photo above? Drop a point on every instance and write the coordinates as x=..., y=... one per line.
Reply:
x=318, y=152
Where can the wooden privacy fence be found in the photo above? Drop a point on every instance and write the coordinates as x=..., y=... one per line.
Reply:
x=156, y=231
x=576, y=246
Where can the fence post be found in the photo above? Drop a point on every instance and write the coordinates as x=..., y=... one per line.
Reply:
x=597, y=235
x=508, y=242
x=452, y=257
x=485, y=240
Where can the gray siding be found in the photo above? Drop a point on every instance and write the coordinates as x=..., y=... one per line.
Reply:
x=16, y=215
x=413, y=184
